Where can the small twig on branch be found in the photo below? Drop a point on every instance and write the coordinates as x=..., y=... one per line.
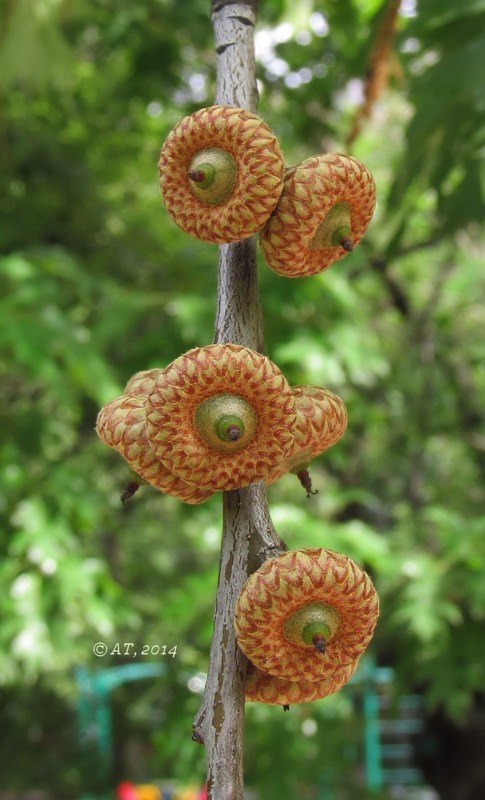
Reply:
x=381, y=265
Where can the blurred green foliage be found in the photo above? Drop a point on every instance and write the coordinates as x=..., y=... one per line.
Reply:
x=96, y=282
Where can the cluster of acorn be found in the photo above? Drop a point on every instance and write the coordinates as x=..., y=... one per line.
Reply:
x=218, y=418
x=223, y=416
x=223, y=178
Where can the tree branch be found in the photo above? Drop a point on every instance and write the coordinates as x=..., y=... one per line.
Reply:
x=238, y=315
x=248, y=538
x=248, y=535
x=233, y=24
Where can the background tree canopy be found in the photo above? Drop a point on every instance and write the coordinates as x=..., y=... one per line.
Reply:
x=97, y=283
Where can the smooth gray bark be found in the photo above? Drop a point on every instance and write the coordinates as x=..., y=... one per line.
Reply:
x=248, y=535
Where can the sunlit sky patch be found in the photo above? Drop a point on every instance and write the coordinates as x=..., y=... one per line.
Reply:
x=266, y=41
x=408, y=8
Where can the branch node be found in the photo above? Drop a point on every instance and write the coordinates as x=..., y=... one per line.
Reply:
x=223, y=47
x=197, y=736
x=242, y=20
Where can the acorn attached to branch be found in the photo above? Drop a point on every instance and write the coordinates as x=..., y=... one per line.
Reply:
x=220, y=416
x=221, y=173
x=321, y=420
x=325, y=207
x=217, y=418
x=306, y=615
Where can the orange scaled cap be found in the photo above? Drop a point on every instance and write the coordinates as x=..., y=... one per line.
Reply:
x=210, y=372
x=285, y=584
x=310, y=191
x=121, y=425
x=265, y=688
x=321, y=420
x=256, y=183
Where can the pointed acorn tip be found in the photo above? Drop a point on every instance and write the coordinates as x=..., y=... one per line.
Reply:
x=347, y=244
x=304, y=477
x=234, y=433
x=130, y=489
x=319, y=643
x=197, y=175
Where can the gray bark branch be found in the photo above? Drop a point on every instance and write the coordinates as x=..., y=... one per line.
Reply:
x=248, y=535
x=234, y=43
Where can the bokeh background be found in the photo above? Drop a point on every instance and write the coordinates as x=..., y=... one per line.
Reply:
x=96, y=282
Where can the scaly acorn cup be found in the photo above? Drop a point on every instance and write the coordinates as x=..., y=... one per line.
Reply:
x=220, y=416
x=142, y=383
x=306, y=615
x=221, y=174
x=121, y=425
x=265, y=688
x=325, y=207
x=321, y=420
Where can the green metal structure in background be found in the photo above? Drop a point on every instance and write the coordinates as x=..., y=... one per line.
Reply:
x=389, y=724
x=93, y=707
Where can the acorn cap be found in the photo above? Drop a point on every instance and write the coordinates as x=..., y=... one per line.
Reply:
x=321, y=420
x=239, y=382
x=142, y=383
x=121, y=425
x=325, y=207
x=264, y=688
x=274, y=597
x=221, y=173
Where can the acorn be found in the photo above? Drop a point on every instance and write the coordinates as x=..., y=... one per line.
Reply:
x=216, y=418
x=325, y=207
x=226, y=421
x=321, y=420
x=221, y=173
x=121, y=424
x=142, y=383
x=306, y=615
x=220, y=416
x=265, y=688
